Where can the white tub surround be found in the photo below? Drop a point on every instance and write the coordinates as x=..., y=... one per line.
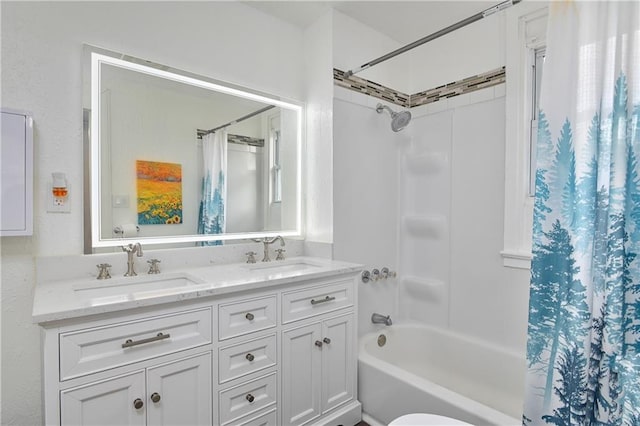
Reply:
x=429, y=370
x=271, y=343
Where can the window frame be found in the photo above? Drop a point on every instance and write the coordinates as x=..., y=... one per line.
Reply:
x=526, y=32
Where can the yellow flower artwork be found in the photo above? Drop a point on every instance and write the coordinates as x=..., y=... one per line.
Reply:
x=159, y=192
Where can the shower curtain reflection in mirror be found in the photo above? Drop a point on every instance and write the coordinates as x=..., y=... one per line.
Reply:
x=212, y=216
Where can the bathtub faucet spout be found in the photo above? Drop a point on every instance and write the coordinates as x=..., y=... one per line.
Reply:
x=381, y=319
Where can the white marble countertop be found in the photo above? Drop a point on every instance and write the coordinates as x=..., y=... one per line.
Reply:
x=77, y=297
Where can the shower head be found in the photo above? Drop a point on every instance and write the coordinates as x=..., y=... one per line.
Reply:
x=399, y=120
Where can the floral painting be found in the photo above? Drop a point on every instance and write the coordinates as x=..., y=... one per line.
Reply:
x=159, y=192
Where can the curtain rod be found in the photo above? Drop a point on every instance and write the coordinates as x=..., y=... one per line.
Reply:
x=447, y=30
x=237, y=120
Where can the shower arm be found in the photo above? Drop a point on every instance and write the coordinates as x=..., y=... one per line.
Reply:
x=478, y=16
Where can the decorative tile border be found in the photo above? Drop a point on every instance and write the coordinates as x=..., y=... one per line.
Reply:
x=468, y=85
x=456, y=88
x=370, y=88
x=239, y=139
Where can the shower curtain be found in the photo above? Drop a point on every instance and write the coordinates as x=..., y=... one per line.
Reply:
x=212, y=215
x=583, y=348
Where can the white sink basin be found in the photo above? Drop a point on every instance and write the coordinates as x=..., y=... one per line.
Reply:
x=135, y=285
x=277, y=267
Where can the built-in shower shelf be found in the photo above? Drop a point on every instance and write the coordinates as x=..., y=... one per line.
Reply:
x=424, y=288
x=426, y=226
x=426, y=163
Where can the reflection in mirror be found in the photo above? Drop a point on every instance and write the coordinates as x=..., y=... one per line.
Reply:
x=180, y=159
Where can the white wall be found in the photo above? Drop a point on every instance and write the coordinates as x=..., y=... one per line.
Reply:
x=42, y=73
x=318, y=161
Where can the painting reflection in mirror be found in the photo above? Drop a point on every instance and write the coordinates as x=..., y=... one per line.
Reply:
x=159, y=187
x=224, y=164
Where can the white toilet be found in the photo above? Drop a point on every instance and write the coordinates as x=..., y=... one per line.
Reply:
x=421, y=419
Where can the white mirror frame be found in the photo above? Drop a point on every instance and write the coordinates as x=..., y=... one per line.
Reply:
x=97, y=60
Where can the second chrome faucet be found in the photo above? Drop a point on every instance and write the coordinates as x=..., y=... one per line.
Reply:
x=132, y=249
x=266, y=241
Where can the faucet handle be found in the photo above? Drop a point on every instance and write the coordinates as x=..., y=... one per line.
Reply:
x=251, y=257
x=153, y=266
x=375, y=275
x=280, y=255
x=103, y=271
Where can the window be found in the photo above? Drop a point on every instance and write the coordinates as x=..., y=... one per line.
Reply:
x=275, y=161
x=536, y=79
x=525, y=43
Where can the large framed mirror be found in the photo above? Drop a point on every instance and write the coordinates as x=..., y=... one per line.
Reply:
x=176, y=158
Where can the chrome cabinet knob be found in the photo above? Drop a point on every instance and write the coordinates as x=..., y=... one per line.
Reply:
x=138, y=404
x=250, y=357
x=318, y=343
x=326, y=340
x=249, y=316
x=250, y=398
x=155, y=397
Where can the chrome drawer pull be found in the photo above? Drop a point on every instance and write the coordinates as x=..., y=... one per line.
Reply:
x=249, y=316
x=250, y=357
x=129, y=343
x=326, y=299
x=250, y=398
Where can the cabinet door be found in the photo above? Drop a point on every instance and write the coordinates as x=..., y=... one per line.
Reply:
x=338, y=366
x=109, y=402
x=179, y=393
x=16, y=174
x=301, y=364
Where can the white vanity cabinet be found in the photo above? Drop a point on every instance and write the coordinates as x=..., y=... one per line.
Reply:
x=319, y=362
x=177, y=392
x=277, y=353
x=144, y=369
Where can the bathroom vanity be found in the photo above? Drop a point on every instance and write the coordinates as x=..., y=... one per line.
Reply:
x=264, y=344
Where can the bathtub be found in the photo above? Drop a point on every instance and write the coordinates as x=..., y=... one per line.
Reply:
x=430, y=370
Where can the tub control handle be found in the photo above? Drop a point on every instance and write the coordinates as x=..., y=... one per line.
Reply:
x=130, y=343
x=326, y=299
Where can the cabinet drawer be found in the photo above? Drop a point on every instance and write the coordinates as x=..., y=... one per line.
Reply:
x=317, y=300
x=246, y=316
x=95, y=349
x=266, y=419
x=238, y=360
x=247, y=398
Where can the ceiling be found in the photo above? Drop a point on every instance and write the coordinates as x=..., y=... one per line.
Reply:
x=403, y=21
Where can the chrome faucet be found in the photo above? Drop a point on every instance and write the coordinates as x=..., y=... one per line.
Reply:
x=266, y=241
x=381, y=319
x=132, y=249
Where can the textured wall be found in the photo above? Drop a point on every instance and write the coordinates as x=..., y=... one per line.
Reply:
x=42, y=73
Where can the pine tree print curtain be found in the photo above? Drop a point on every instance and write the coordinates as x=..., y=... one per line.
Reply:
x=212, y=215
x=583, y=348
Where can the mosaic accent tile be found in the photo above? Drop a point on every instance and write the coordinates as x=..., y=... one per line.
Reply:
x=456, y=88
x=370, y=88
x=239, y=139
x=450, y=90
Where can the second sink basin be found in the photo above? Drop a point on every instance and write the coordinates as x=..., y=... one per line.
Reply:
x=138, y=284
x=284, y=266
